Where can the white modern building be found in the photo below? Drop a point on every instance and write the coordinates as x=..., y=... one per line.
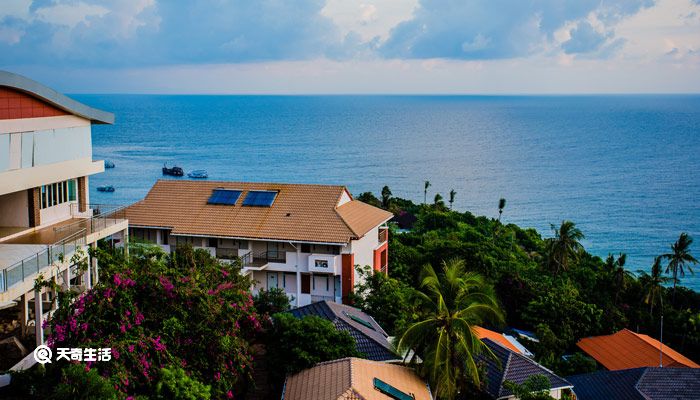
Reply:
x=45, y=213
x=306, y=239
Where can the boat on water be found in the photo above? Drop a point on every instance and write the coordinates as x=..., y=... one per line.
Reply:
x=105, y=188
x=173, y=171
x=198, y=174
x=109, y=164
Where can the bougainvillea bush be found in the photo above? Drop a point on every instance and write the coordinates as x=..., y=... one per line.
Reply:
x=163, y=316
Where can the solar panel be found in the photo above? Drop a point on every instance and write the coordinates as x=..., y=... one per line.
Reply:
x=224, y=196
x=359, y=320
x=260, y=198
x=391, y=391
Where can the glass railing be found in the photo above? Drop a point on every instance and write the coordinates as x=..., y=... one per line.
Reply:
x=73, y=237
x=36, y=263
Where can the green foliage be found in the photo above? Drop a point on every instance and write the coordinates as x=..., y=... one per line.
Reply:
x=295, y=344
x=535, y=387
x=175, y=384
x=186, y=311
x=386, y=299
x=271, y=301
x=551, y=285
x=79, y=382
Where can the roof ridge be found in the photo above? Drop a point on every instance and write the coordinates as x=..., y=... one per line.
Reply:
x=505, y=370
x=661, y=347
x=639, y=380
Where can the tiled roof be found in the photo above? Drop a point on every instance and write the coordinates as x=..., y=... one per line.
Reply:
x=638, y=384
x=513, y=367
x=305, y=213
x=483, y=333
x=626, y=349
x=352, y=379
x=372, y=342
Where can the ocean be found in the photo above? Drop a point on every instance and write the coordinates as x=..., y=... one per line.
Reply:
x=626, y=169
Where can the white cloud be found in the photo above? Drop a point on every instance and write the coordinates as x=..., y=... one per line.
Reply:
x=70, y=15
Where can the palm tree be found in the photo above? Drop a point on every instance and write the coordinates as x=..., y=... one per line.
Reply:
x=386, y=197
x=425, y=191
x=564, y=246
x=452, y=197
x=618, y=273
x=679, y=259
x=451, y=303
x=501, y=206
x=652, y=284
x=438, y=202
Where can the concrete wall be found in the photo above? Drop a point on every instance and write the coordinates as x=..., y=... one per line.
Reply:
x=14, y=209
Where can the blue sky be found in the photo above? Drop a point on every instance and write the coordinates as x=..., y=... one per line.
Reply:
x=347, y=46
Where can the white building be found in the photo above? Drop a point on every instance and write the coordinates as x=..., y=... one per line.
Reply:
x=306, y=239
x=45, y=212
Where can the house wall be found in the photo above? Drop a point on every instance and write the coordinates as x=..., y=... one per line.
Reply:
x=14, y=209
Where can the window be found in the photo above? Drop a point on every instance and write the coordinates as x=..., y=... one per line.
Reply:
x=321, y=264
x=391, y=391
x=305, y=248
x=71, y=190
x=58, y=193
x=327, y=284
x=212, y=242
x=359, y=320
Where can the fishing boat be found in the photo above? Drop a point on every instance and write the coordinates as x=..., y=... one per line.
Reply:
x=109, y=164
x=105, y=188
x=198, y=174
x=174, y=171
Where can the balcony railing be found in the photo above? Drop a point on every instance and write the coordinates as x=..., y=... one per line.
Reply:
x=34, y=264
x=73, y=237
x=383, y=235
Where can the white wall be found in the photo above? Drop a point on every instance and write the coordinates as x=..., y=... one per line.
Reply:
x=31, y=142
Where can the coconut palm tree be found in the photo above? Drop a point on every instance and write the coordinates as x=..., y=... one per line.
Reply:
x=501, y=206
x=386, y=197
x=564, y=246
x=679, y=259
x=450, y=304
x=425, y=191
x=652, y=284
x=619, y=275
x=438, y=202
x=452, y=197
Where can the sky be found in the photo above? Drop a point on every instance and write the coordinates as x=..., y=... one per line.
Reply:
x=354, y=46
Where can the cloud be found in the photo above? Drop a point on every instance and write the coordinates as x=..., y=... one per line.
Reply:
x=150, y=32
x=585, y=38
x=497, y=29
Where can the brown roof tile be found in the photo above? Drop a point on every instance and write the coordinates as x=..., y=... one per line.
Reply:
x=307, y=213
x=351, y=379
x=626, y=349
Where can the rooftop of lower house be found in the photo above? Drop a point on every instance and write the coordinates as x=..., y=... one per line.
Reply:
x=638, y=384
x=626, y=349
x=247, y=210
x=510, y=365
x=371, y=340
x=355, y=378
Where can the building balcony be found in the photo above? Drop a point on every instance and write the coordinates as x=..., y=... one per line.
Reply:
x=383, y=234
x=24, y=255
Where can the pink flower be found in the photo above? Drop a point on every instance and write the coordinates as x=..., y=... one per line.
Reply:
x=158, y=345
x=217, y=376
x=131, y=348
x=122, y=328
x=229, y=394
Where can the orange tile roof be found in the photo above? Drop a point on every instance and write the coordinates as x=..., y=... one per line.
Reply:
x=483, y=333
x=626, y=349
x=351, y=379
x=305, y=213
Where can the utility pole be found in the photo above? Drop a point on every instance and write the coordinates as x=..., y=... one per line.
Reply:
x=661, y=337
